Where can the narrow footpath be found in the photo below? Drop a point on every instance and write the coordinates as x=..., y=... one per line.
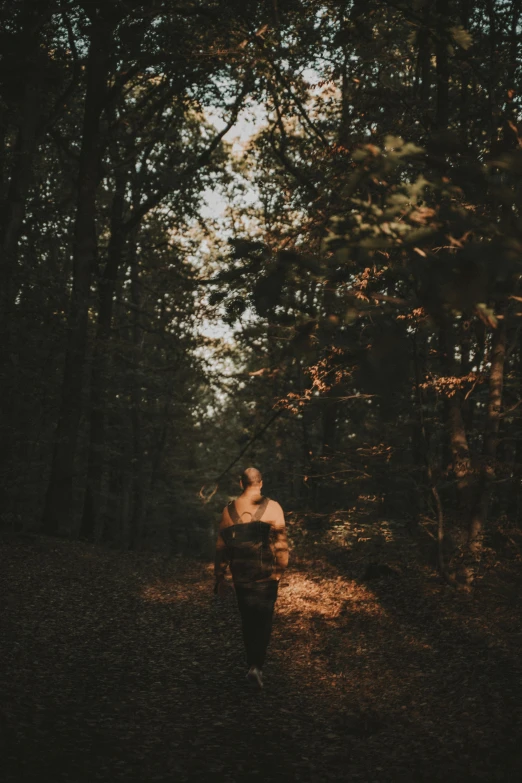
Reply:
x=124, y=667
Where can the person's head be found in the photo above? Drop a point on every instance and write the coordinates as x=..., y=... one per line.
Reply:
x=251, y=478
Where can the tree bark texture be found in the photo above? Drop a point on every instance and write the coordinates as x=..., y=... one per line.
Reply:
x=13, y=210
x=139, y=479
x=465, y=10
x=347, y=87
x=91, y=525
x=57, y=517
x=442, y=66
x=424, y=61
x=516, y=493
x=479, y=513
x=456, y=430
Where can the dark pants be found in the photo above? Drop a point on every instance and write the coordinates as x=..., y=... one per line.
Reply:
x=256, y=605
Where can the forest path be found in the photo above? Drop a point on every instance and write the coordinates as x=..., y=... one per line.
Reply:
x=123, y=667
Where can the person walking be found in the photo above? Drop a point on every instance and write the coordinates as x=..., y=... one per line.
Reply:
x=252, y=542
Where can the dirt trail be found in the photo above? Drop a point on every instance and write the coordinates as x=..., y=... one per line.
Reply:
x=123, y=667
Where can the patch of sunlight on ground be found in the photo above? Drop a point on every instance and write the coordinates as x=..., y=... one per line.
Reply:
x=328, y=597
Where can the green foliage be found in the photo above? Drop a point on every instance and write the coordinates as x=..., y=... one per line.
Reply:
x=360, y=288
x=391, y=210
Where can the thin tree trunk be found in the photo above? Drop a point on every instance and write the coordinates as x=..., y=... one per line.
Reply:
x=138, y=462
x=344, y=135
x=329, y=404
x=479, y=513
x=13, y=210
x=517, y=467
x=347, y=86
x=510, y=134
x=329, y=412
x=91, y=526
x=458, y=442
x=31, y=129
x=57, y=515
x=468, y=404
x=465, y=10
x=19, y=185
x=492, y=78
x=442, y=66
x=426, y=459
x=15, y=193
x=460, y=453
x=424, y=65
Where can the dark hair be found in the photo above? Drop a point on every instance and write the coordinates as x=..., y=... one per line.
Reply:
x=251, y=476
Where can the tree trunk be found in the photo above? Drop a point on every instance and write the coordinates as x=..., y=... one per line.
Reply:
x=465, y=10
x=160, y=446
x=495, y=141
x=91, y=526
x=458, y=442
x=516, y=492
x=13, y=210
x=15, y=192
x=442, y=67
x=466, y=363
x=138, y=462
x=511, y=114
x=347, y=86
x=487, y=474
x=424, y=64
x=329, y=411
x=57, y=515
x=329, y=402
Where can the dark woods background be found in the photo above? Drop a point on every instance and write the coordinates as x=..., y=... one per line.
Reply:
x=372, y=286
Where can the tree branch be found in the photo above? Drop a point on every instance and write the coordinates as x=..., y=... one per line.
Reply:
x=156, y=198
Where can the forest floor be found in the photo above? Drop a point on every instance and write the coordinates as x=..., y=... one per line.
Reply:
x=124, y=667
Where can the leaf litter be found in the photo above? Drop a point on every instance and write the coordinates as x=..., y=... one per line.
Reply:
x=124, y=667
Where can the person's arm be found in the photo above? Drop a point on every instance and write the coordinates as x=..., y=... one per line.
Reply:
x=222, y=559
x=281, y=552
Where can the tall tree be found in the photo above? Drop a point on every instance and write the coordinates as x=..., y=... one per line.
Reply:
x=58, y=501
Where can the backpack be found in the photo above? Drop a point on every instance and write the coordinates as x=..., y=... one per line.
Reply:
x=248, y=544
